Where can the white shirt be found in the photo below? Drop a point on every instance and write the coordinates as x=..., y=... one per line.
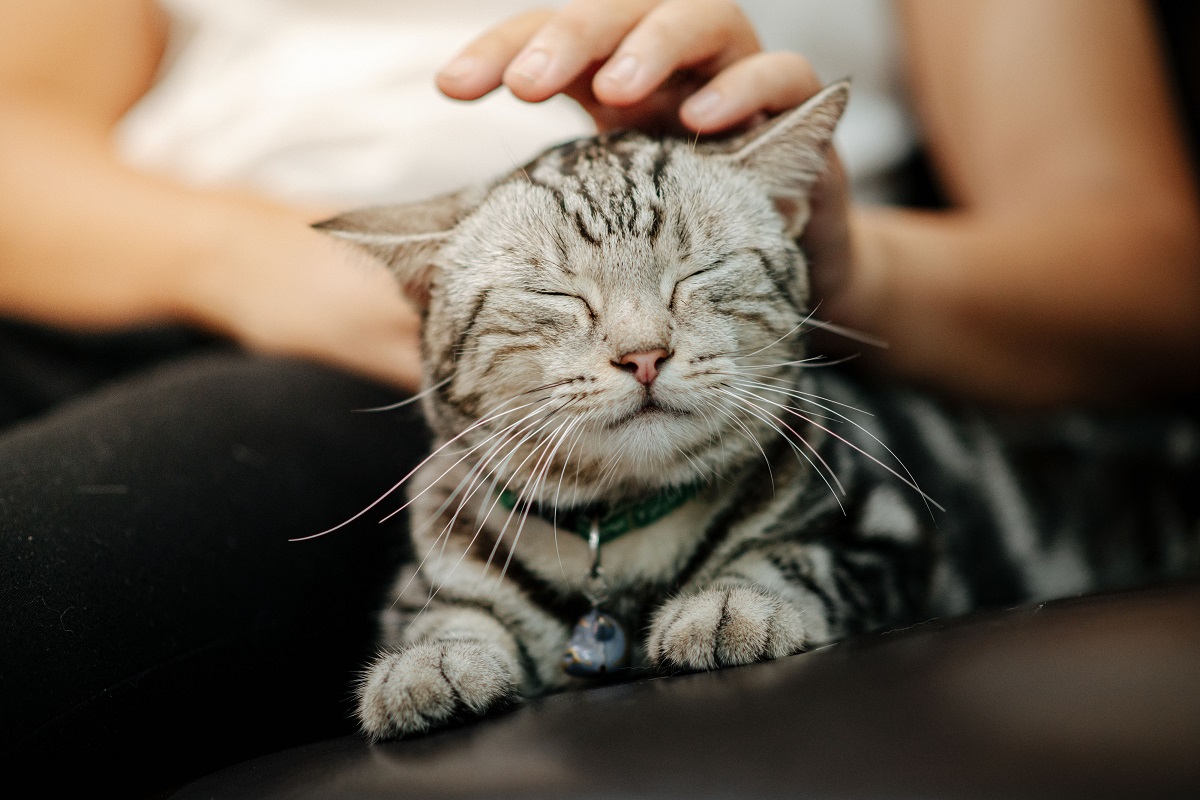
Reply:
x=333, y=101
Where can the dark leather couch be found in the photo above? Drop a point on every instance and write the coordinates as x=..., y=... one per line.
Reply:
x=1088, y=698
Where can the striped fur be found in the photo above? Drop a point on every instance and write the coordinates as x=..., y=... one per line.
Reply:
x=809, y=529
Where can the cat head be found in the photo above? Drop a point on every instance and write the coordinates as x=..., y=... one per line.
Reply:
x=594, y=311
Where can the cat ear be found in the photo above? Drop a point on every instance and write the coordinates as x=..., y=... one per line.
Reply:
x=406, y=238
x=789, y=153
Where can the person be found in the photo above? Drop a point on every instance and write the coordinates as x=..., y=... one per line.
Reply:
x=1066, y=269
x=153, y=474
x=181, y=354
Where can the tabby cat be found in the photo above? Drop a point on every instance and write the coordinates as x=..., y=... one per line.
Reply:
x=615, y=364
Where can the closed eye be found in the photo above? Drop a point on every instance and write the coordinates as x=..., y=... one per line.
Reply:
x=675, y=289
x=568, y=296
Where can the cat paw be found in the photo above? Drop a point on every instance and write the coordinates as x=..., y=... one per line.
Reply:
x=431, y=683
x=723, y=627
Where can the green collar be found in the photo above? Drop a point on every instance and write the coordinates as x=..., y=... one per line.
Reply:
x=615, y=521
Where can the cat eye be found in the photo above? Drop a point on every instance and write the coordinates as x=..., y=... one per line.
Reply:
x=569, y=296
x=694, y=274
x=675, y=289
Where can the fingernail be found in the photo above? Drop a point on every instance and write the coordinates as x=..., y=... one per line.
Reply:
x=531, y=65
x=459, y=67
x=623, y=70
x=704, y=104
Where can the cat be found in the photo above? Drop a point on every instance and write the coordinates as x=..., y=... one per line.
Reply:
x=636, y=466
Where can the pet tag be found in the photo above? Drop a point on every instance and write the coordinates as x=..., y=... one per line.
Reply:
x=598, y=645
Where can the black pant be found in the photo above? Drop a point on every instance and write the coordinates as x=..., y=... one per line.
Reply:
x=155, y=621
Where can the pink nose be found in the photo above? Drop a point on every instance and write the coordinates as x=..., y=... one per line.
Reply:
x=644, y=366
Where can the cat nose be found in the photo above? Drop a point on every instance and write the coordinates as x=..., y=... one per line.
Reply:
x=643, y=365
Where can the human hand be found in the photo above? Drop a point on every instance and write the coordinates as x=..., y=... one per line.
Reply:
x=285, y=289
x=637, y=63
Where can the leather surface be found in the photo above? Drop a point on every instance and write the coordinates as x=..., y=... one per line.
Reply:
x=1089, y=698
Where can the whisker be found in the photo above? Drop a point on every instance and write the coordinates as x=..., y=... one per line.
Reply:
x=538, y=483
x=474, y=478
x=413, y=471
x=813, y=362
x=807, y=397
x=908, y=481
x=754, y=440
x=567, y=462
x=502, y=466
x=799, y=325
x=558, y=491
x=850, y=333
x=798, y=451
x=461, y=459
x=483, y=518
x=477, y=468
x=402, y=403
x=484, y=515
x=481, y=467
x=544, y=387
x=811, y=320
x=819, y=402
x=520, y=509
x=495, y=547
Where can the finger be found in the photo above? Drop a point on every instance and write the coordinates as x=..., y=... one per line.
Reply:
x=581, y=33
x=677, y=35
x=764, y=82
x=479, y=68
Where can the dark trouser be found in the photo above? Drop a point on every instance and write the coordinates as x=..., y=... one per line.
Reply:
x=155, y=621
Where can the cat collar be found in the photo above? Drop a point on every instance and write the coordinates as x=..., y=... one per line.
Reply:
x=612, y=520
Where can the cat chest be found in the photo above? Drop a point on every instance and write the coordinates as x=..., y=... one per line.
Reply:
x=642, y=557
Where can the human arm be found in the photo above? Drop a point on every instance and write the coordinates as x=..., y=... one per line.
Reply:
x=1068, y=269
x=89, y=242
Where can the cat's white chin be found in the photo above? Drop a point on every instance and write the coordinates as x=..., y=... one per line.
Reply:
x=650, y=445
x=648, y=415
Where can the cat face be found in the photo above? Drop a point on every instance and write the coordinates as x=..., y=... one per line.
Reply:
x=590, y=314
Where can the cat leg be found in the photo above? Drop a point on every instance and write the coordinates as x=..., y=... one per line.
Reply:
x=456, y=662
x=778, y=598
x=724, y=625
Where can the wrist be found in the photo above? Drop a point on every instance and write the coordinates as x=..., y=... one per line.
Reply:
x=225, y=247
x=854, y=294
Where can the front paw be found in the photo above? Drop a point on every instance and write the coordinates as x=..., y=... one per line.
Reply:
x=430, y=683
x=723, y=627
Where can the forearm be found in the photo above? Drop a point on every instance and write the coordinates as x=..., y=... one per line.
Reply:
x=86, y=241
x=1041, y=305
x=1071, y=270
